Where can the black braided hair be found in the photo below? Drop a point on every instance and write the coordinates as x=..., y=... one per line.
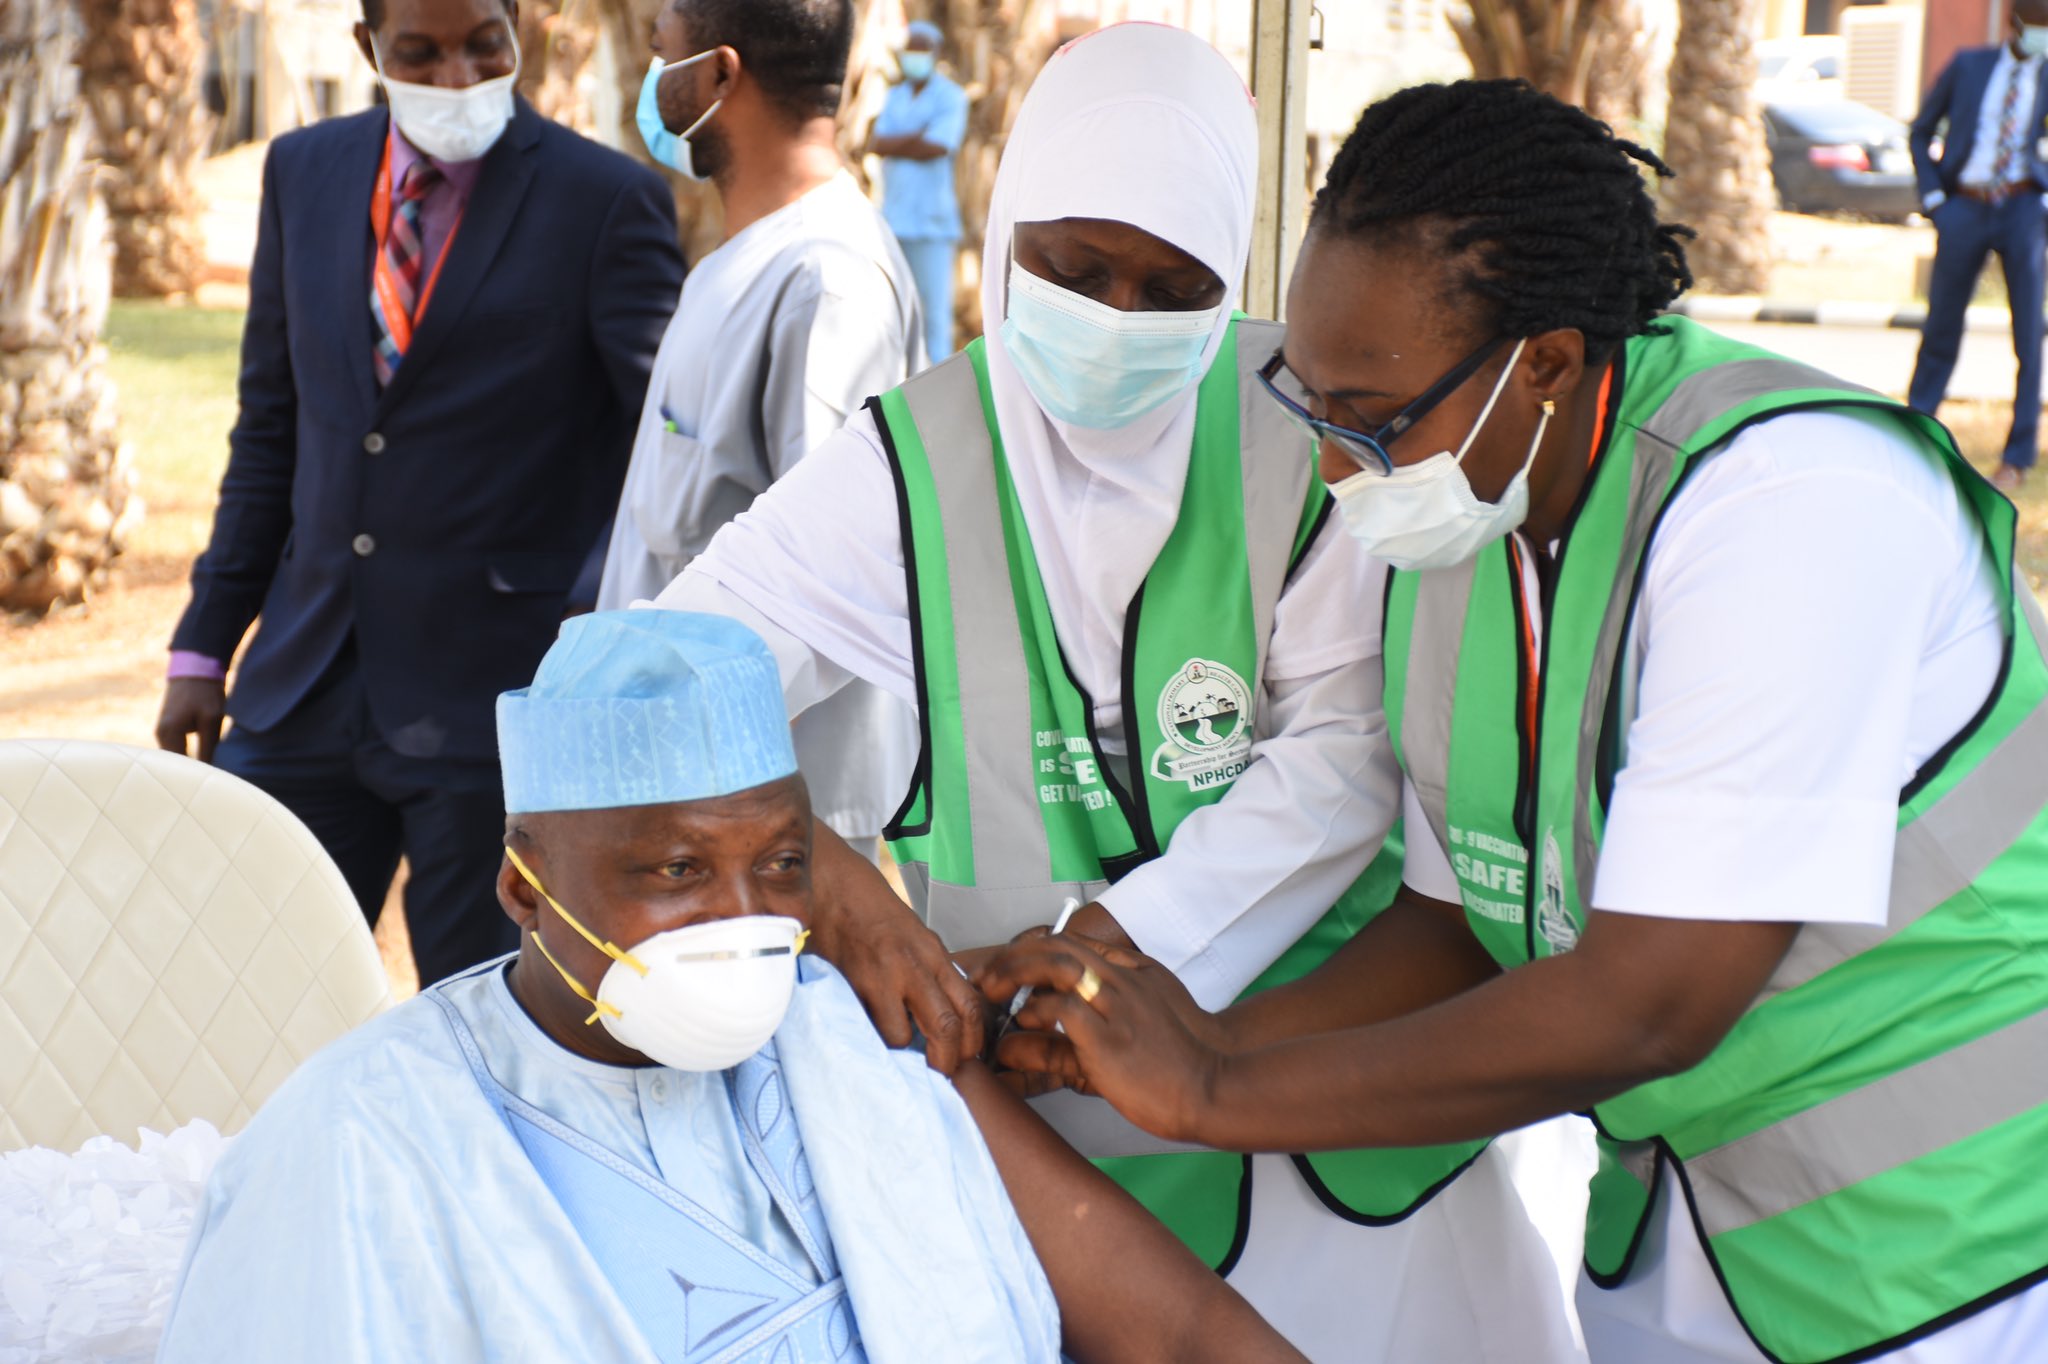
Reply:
x=1543, y=202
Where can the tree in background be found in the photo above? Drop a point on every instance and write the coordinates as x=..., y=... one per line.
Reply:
x=141, y=68
x=1714, y=139
x=1592, y=53
x=998, y=47
x=64, y=486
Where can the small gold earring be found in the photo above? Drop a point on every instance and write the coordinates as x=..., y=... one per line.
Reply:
x=1550, y=407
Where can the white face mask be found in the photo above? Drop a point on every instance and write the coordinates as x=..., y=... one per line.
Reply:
x=1425, y=515
x=704, y=997
x=451, y=125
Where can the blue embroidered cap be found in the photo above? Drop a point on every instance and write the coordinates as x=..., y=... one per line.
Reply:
x=644, y=708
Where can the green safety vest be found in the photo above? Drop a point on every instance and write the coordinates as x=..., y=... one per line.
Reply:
x=1015, y=803
x=1863, y=1153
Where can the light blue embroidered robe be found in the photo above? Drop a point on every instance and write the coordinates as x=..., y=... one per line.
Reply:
x=382, y=1207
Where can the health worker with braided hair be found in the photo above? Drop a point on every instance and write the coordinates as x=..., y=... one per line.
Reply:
x=1724, y=725
x=1095, y=556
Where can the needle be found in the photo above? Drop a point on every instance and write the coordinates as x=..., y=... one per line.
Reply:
x=1023, y=996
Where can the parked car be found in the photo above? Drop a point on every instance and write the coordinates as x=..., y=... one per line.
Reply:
x=1837, y=156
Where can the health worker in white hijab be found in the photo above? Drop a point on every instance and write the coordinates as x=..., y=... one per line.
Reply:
x=1147, y=666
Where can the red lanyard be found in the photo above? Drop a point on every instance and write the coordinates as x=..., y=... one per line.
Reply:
x=1532, y=602
x=380, y=273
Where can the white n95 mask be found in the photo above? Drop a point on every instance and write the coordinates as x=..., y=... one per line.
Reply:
x=704, y=997
x=1092, y=365
x=451, y=125
x=1425, y=515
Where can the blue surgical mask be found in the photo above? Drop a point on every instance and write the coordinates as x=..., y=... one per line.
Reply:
x=916, y=66
x=1091, y=365
x=2034, y=39
x=670, y=149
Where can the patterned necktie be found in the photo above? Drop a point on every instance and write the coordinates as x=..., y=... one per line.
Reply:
x=400, y=267
x=2006, y=169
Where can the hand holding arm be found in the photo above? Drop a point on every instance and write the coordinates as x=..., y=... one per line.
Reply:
x=897, y=966
x=1640, y=998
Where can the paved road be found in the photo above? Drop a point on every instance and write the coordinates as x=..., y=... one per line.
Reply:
x=1882, y=357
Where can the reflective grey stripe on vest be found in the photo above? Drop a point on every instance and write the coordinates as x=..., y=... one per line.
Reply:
x=1952, y=843
x=976, y=916
x=1655, y=459
x=1274, y=487
x=1435, y=638
x=1874, y=1128
x=1703, y=398
x=1009, y=840
x=1639, y=1158
x=1012, y=860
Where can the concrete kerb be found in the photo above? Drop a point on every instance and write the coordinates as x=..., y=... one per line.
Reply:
x=1842, y=313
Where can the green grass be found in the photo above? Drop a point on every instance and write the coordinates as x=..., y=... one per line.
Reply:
x=174, y=374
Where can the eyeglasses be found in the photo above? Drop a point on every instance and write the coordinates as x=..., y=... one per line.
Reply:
x=1366, y=449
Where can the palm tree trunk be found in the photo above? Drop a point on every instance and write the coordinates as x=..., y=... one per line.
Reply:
x=141, y=66
x=64, y=486
x=1714, y=139
x=1000, y=46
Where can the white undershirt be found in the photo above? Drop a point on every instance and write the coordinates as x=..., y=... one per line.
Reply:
x=1983, y=160
x=815, y=565
x=1818, y=617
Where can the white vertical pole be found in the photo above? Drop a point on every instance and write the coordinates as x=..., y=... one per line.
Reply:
x=1280, y=84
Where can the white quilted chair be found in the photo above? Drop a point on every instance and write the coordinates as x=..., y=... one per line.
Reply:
x=172, y=942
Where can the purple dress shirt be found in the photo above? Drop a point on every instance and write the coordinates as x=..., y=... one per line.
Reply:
x=440, y=211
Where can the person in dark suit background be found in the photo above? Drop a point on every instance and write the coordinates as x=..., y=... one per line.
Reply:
x=453, y=310
x=1985, y=195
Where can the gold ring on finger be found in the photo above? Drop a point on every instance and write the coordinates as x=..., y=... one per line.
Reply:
x=1089, y=986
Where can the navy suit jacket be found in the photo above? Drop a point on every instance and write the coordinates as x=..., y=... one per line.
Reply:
x=1958, y=98
x=442, y=521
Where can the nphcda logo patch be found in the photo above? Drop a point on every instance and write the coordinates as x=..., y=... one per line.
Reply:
x=1205, y=711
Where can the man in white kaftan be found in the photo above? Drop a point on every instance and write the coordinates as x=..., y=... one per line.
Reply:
x=455, y=1180
x=690, y=1150
x=805, y=309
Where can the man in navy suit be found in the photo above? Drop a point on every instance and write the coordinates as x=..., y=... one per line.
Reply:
x=1985, y=195
x=453, y=311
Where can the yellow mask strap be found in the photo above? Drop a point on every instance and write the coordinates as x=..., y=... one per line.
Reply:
x=598, y=1007
x=612, y=950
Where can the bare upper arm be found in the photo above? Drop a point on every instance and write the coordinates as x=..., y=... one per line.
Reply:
x=1128, y=1290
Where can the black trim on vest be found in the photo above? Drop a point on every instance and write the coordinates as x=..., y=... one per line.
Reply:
x=1141, y=821
x=1344, y=1210
x=1607, y=756
x=1244, y=1223
x=1386, y=601
x=1867, y=1352
x=1939, y=759
x=921, y=775
x=1114, y=869
x=1635, y=1240
x=1315, y=533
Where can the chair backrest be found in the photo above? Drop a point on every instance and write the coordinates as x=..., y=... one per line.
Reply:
x=172, y=943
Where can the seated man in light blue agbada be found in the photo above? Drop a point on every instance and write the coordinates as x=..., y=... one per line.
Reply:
x=690, y=1148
